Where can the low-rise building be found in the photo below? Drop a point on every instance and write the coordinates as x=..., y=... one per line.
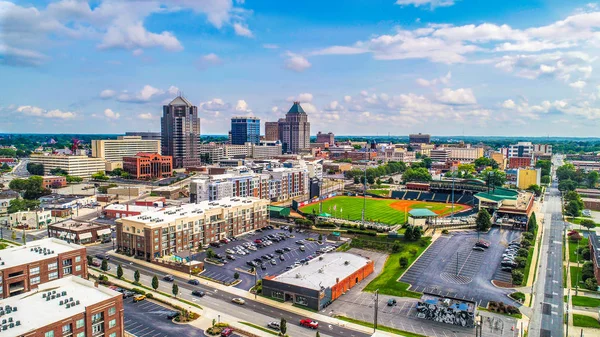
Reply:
x=117, y=211
x=527, y=177
x=594, y=245
x=328, y=138
x=148, y=165
x=510, y=207
x=319, y=282
x=519, y=162
x=189, y=226
x=125, y=191
x=114, y=150
x=80, y=232
x=54, y=181
x=62, y=201
x=70, y=306
x=25, y=267
x=586, y=165
x=500, y=159
x=78, y=166
x=34, y=219
x=440, y=155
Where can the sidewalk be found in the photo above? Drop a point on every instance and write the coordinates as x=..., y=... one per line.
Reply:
x=534, y=259
x=245, y=294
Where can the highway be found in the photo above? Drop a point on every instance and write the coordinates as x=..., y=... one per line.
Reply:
x=218, y=300
x=548, y=311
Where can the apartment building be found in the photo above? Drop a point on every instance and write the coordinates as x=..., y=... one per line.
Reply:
x=26, y=267
x=465, y=154
x=70, y=307
x=33, y=219
x=519, y=162
x=521, y=149
x=287, y=183
x=216, y=187
x=189, y=226
x=78, y=166
x=124, y=146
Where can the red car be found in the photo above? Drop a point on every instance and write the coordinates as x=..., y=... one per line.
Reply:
x=226, y=332
x=309, y=323
x=224, y=241
x=258, y=241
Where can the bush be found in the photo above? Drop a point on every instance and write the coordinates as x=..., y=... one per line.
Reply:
x=586, y=254
x=521, y=261
x=413, y=251
x=517, y=276
x=523, y=252
x=525, y=243
x=138, y=291
x=519, y=296
x=591, y=283
x=149, y=295
x=587, y=271
x=528, y=236
x=445, y=231
x=403, y=261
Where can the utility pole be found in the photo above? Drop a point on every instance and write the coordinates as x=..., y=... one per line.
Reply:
x=365, y=186
x=376, y=307
x=456, y=263
x=577, y=283
x=255, y=282
x=452, y=214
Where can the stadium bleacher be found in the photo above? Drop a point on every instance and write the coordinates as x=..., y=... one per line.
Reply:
x=426, y=196
x=411, y=195
x=398, y=194
x=441, y=197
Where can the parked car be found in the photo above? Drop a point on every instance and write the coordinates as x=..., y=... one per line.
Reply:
x=103, y=256
x=482, y=244
x=479, y=249
x=168, y=278
x=391, y=302
x=127, y=294
x=508, y=269
x=281, y=258
x=229, y=251
x=273, y=262
x=251, y=263
x=194, y=282
x=238, y=300
x=198, y=293
x=299, y=242
x=215, y=244
x=226, y=332
x=309, y=323
x=263, y=266
x=258, y=241
x=302, y=248
x=138, y=298
x=172, y=314
x=96, y=263
x=224, y=241
x=280, y=251
x=287, y=249
x=230, y=257
x=274, y=325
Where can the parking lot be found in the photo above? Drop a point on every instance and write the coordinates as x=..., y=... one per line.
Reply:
x=226, y=273
x=450, y=267
x=148, y=319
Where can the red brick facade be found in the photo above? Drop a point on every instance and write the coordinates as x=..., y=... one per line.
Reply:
x=148, y=165
x=519, y=162
x=54, y=181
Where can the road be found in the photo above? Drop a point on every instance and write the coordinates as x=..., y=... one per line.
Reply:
x=253, y=311
x=548, y=308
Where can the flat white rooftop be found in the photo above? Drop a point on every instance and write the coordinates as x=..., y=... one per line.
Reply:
x=34, y=310
x=131, y=208
x=323, y=273
x=34, y=251
x=186, y=210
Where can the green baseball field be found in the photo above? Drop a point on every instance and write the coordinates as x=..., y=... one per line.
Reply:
x=388, y=211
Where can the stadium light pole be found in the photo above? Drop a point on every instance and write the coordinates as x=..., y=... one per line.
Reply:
x=452, y=214
x=364, y=210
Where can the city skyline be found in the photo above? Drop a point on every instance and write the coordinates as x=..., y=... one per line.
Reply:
x=397, y=67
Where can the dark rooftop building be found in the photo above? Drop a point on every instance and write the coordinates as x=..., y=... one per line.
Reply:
x=180, y=133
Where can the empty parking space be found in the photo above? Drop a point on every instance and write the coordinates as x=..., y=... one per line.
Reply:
x=450, y=267
x=148, y=319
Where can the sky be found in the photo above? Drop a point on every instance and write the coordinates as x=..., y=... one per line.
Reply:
x=358, y=67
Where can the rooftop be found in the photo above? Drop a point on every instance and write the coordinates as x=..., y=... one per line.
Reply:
x=180, y=100
x=421, y=213
x=323, y=273
x=296, y=109
x=131, y=208
x=498, y=194
x=51, y=302
x=34, y=251
x=75, y=226
x=595, y=241
x=158, y=217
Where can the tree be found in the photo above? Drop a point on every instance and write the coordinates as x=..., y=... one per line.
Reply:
x=592, y=179
x=545, y=180
x=100, y=176
x=416, y=174
x=370, y=180
x=536, y=189
x=522, y=252
x=591, y=284
x=587, y=223
x=587, y=271
x=32, y=188
x=17, y=205
x=417, y=233
x=356, y=180
x=13, y=236
x=119, y=272
x=89, y=260
x=5, y=167
x=291, y=229
x=517, y=276
x=236, y=275
x=493, y=177
x=403, y=261
x=104, y=265
x=573, y=208
x=390, y=181
x=567, y=185
x=532, y=224
x=545, y=166
x=408, y=233
x=58, y=172
x=485, y=162
x=283, y=326
x=210, y=253
x=426, y=162
x=35, y=169
x=483, y=221
x=136, y=276
x=175, y=289
x=155, y=282
x=521, y=261
x=320, y=237
x=73, y=179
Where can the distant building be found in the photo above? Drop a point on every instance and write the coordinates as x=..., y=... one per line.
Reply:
x=148, y=165
x=180, y=133
x=33, y=219
x=328, y=138
x=245, y=130
x=80, y=233
x=440, y=155
x=594, y=246
x=519, y=162
x=145, y=135
x=419, y=138
x=24, y=268
x=316, y=284
x=272, y=131
x=527, y=177
x=294, y=130
x=586, y=165
x=500, y=159
x=70, y=307
x=521, y=150
x=54, y=181
x=78, y=166
x=465, y=154
x=542, y=149
x=118, y=211
x=124, y=146
x=266, y=149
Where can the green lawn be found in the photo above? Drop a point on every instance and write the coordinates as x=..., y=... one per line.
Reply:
x=383, y=193
x=585, y=321
x=582, y=301
x=377, y=209
x=573, y=249
x=387, y=280
x=577, y=221
x=564, y=277
x=575, y=271
x=258, y=327
x=379, y=327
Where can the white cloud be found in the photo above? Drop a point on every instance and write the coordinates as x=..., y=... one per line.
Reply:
x=304, y=97
x=578, y=84
x=524, y=109
x=173, y=90
x=107, y=93
x=39, y=112
x=296, y=62
x=146, y=116
x=508, y=104
x=208, y=60
x=431, y=3
x=146, y=94
x=137, y=52
x=270, y=46
x=347, y=98
x=242, y=30
x=334, y=106
x=458, y=96
x=135, y=36
x=108, y=113
x=560, y=65
x=428, y=83
x=242, y=106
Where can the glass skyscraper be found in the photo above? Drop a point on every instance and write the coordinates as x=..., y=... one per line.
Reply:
x=245, y=130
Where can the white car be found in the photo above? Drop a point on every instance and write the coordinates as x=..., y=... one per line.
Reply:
x=228, y=251
x=238, y=300
x=274, y=325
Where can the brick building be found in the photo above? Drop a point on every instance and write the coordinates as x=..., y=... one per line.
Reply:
x=519, y=162
x=80, y=232
x=54, y=181
x=594, y=245
x=319, y=282
x=71, y=307
x=117, y=211
x=328, y=138
x=190, y=226
x=148, y=165
x=26, y=267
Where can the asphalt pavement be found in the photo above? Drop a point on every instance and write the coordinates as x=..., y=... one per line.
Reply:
x=149, y=319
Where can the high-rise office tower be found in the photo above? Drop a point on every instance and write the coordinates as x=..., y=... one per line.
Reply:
x=294, y=130
x=245, y=130
x=180, y=133
x=272, y=131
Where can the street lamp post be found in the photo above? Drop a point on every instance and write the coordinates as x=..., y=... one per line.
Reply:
x=376, y=297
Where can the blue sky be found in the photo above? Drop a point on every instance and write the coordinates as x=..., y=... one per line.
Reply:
x=446, y=67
